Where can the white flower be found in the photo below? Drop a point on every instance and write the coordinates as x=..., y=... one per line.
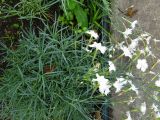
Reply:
x=155, y=107
x=147, y=49
x=133, y=24
x=133, y=45
x=127, y=32
x=111, y=66
x=147, y=37
x=131, y=101
x=133, y=87
x=142, y=64
x=155, y=95
x=157, y=83
x=103, y=84
x=144, y=35
x=126, y=51
x=93, y=34
x=155, y=40
x=95, y=70
x=99, y=47
x=129, y=74
x=128, y=116
x=148, y=40
x=143, y=108
x=119, y=84
x=142, y=52
x=110, y=56
x=151, y=72
x=157, y=112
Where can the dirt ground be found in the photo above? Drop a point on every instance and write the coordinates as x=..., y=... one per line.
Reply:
x=147, y=13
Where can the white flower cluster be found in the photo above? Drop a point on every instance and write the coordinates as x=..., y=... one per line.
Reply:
x=128, y=31
x=131, y=48
x=103, y=83
x=99, y=47
x=96, y=45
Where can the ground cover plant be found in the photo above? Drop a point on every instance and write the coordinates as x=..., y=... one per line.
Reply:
x=49, y=65
x=48, y=77
x=59, y=61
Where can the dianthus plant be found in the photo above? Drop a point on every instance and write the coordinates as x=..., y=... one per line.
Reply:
x=135, y=74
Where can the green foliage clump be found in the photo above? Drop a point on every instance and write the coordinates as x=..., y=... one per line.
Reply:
x=27, y=9
x=45, y=78
x=73, y=8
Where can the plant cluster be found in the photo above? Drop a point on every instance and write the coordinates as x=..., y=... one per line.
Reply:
x=50, y=68
x=139, y=71
x=48, y=77
x=62, y=66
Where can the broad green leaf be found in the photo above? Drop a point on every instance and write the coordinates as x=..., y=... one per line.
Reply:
x=81, y=16
x=71, y=4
